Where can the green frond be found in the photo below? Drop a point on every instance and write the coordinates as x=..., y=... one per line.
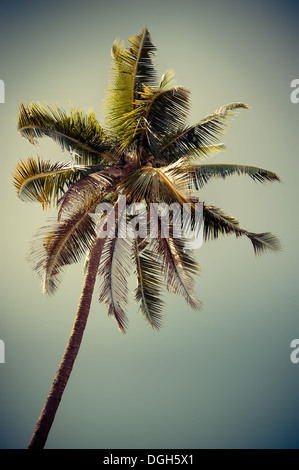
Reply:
x=167, y=80
x=204, y=133
x=190, y=157
x=149, y=281
x=77, y=132
x=132, y=68
x=43, y=181
x=156, y=113
x=204, y=173
x=204, y=151
x=141, y=55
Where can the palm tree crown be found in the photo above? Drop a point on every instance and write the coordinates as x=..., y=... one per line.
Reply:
x=147, y=152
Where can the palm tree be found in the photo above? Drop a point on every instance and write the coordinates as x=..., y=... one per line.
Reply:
x=145, y=151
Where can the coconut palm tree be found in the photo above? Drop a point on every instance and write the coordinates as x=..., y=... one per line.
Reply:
x=146, y=151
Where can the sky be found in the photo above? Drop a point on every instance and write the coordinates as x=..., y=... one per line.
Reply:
x=218, y=378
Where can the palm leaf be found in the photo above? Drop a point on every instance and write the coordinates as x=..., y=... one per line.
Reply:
x=156, y=185
x=167, y=80
x=177, y=264
x=149, y=281
x=98, y=183
x=132, y=67
x=217, y=222
x=43, y=181
x=204, y=173
x=167, y=111
x=191, y=140
x=186, y=257
x=78, y=133
x=114, y=269
x=263, y=242
x=63, y=242
x=203, y=151
x=179, y=281
x=141, y=55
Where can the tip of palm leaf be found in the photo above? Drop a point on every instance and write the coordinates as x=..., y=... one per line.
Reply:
x=236, y=106
x=121, y=330
x=49, y=285
x=263, y=242
x=122, y=325
x=242, y=105
x=277, y=178
x=197, y=306
x=155, y=327
x=45, y=286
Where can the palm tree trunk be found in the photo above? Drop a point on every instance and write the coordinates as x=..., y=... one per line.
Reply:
x=47, y=415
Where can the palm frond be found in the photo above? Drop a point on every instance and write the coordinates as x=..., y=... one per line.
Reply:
x=203, y=151
x=177, y=264
x=263, y=242
x=60, y=244
x=141, y=55
x=156, y=185
x=149, y=281
x=179, y=281
x=166, y=113
x=217, y=222
x=98, y=183
x=186, y=257
x=77, y=132
x=204, y=173
x=132, y=68
x=64, y=242
x=167, y=80
x=43, y=181
x=114, y=269
x=204, y=133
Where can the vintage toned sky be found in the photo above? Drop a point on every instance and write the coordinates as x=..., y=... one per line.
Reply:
x=220, y=378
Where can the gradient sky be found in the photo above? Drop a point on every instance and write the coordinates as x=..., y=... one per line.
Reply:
x=220, y=378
